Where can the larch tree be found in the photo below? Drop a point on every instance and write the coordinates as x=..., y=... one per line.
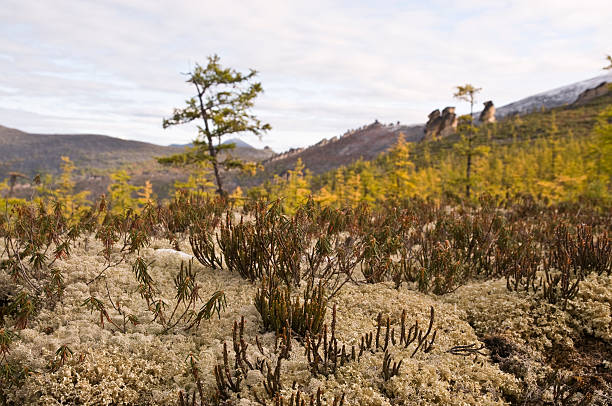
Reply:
x=373, y=189
x=603, y=131
x=222, y=102
x=73, y=203
x=353, y=188
x=293, y=187
x=468, y=93
x=121, y=192
x=198, y=182
x=401, y=169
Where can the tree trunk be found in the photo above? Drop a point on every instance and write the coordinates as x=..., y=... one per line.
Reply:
x=468, y=167
x=468, y=171
x=213, y=153
x=211, y=148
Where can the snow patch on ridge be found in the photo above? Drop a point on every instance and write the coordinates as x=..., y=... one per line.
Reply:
x=552, y=98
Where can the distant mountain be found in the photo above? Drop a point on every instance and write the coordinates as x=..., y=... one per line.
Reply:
x=239, y=143
x=552, y=98
x=35, y=153
x=95, y=156
x=366, y=142
x=242, y=150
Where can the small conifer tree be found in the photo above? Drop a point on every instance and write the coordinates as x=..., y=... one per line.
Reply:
x=221, y=104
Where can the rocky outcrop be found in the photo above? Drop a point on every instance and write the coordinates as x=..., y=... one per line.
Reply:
x=441, y=125
x=590, y=94
x=282, y=155
x=433, y=123
x=488, y=114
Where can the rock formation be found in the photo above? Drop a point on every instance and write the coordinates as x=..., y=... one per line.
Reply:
x=286, y=154
x=431, y=128
x=488, y=114
x=441, y=124
x=592, y=93
x=321, y=143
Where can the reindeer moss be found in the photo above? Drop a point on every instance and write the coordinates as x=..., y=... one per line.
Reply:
x=531, y=338
x=143, y=366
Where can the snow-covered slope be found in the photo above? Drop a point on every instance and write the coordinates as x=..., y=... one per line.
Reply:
x=552, y=98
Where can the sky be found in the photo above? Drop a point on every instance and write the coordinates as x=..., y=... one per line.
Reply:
x=116, y=67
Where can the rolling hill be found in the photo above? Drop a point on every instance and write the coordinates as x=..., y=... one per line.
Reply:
x=95, y=156
x=40, y=153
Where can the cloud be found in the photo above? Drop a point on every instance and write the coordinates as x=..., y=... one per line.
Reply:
x=114, y=66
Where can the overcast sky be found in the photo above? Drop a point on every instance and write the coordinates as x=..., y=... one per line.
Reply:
x=113, y=67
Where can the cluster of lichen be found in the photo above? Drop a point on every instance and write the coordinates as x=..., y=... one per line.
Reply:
x=137, y=321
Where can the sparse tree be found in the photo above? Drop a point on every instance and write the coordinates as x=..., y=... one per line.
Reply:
x=401, y=176
x=64, y=193
x=121, y=192
x=603, y=130
x=222, y=102
x=467, y=93
x=295, y=188
x=609, y=58
x=145, y=194
x=12, y=181
x=198, y=182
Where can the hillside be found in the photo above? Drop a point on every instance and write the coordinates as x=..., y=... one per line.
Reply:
x=95, y=156
x=365, y=143
x=552, y=155
x=35, y=153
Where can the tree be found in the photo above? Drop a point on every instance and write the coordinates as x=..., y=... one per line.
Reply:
x=603, y=130
x=609, y=58
x=145, y=194
x=198, y=182
x=325, y=197
x=554, y=143
x=401, y=169
x=222, y=102
x=353, y=188
x=467, y=93
x=12, y=181
x=121, y=193
x=6, y=200
x=73, y=203
x=294, y=189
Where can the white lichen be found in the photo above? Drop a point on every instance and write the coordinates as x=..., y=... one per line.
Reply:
x=142, y=366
